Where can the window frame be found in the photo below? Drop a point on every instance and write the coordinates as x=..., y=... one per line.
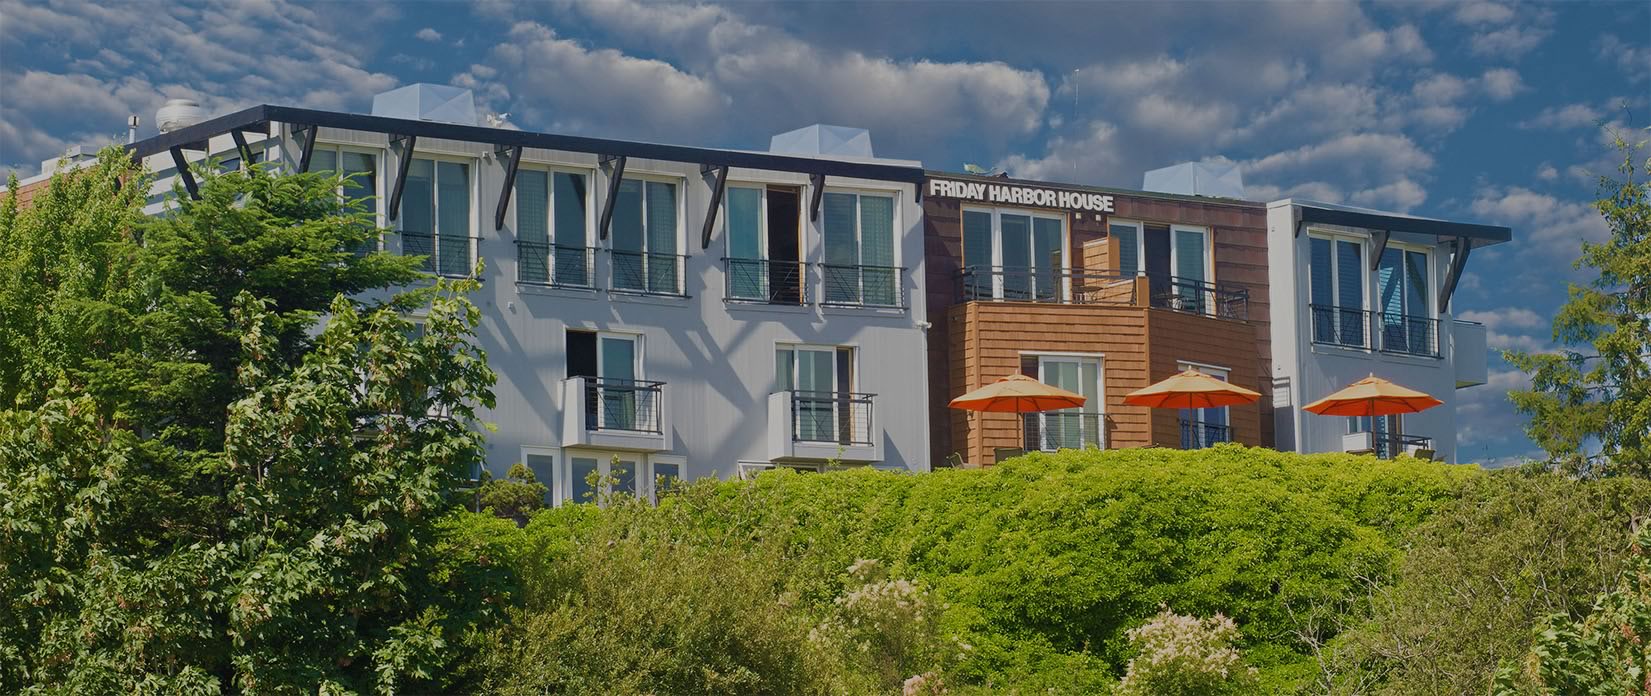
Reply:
x=554, y=489
x=590, y=243
x=1175, y=251
x=1140, y=245
x=1062, y=289
x=378, y=154
x=1335, y=237
x=1428, y=290
x=680, y=255
x=604, y=471
x=896, y=233
x=1099, y=360
x=473, y=235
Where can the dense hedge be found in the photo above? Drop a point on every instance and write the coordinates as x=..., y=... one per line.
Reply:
x=1046, y=561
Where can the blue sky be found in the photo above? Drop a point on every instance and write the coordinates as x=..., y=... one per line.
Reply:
x=1472, y=110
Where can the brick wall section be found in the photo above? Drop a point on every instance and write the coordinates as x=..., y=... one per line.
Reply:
x=26, y=193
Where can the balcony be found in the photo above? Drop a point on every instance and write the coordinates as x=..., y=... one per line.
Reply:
x=822, y=426
x=1382, y=331
x=1467, y=353
x=863, y=286
x=555, y=265
x=1200, y=435
x=1387, y=445
x=646, y=273
x=1068, y=286
x=1058, y=430
x=761, y=281
x=617, y=414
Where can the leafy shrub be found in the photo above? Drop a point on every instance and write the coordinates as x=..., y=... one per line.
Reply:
x=891, y=625
x=515, y=497
x=1042, y=565
x=1603, y=653
x=1186, y=656
x=1516, y=547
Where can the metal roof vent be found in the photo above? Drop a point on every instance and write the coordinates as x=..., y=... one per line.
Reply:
x=1218, y=177
x=427, y=102
x=821, y=139
x=177, y=113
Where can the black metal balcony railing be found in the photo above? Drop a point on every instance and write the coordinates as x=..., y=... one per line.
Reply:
x=1199, y=297
x=863, y=286
x=1056, y=285
x=555, y=265
x=1402, y=333
x=1359, y=328
x=1199, y=435
x=1058, y=430
x=444, y=254
x=622, y=404
x=840, y=417
x=647, y=273
x=765, y=281
x=1390, y=445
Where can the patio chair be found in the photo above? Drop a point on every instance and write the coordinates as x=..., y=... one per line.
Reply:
x=999, y=454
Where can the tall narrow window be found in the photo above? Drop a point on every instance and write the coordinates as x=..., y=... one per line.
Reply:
x=1073, y=428
x=1336, y=290
x=616, y=396
x=1190, y=270
x=979, y=255
x=859, y=264
x=1203, y=427
x=435, y=215
x=1405, y=321
x=552, y=228
x=821, y=383
x=645, y=238
x=359, y=191
x=1129, y=246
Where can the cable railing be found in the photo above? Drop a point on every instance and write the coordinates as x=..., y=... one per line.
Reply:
x=444, y=254
x=555, y=265
x=631, y=405
x=1199, y=297
x=863, y=286
x=1388, y=332
x=1051, y=285
x=838, y=417
x=646, y=273
x=1058, y=430
x=1199, y=435
x=765, y=281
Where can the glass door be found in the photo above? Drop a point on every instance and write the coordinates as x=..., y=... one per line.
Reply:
x=1191, y=269
x=617, y=369
x=1073, y=428
x=818, y=379
x=745, y=242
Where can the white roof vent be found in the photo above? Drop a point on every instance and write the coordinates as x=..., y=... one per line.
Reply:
x=820, y=139
x=177, y=113
x=1218, y=177
x=427, y=102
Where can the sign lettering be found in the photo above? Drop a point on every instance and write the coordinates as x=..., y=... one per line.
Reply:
x=1016, y=194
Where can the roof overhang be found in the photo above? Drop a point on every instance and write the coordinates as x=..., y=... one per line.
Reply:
x=258, y=117
x=1313, y=212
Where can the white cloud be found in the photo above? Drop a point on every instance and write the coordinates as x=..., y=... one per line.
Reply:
x=1513, y=328
x=1563, y=117
x=1483, y=13
x=1543, y=224
x=1400, y=196
x=1372, y=157
x=1508, y=42
x=1634, y=61
x=428, y=34
x=1501, y=84
x=1546, y=172
x=1070, y=160
x=1485, y=417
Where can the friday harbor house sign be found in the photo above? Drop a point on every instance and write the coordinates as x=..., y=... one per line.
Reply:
x=1015, y=194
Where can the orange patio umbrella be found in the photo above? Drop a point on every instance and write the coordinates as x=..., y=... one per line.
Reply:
x=1191, y=389
x=1018, y=394
x=1372, y=396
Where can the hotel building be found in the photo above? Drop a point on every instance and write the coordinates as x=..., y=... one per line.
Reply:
x=691, y=311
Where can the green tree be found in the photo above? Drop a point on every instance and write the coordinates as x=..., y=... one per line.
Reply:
x=1590, y=403
x=516, y=496
x=1606, y=653
x=206, y=487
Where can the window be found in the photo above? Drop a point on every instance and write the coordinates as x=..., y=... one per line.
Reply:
x=360, y=187
x=1203, y=427
x=1072, y=428
x=435, y=216
x=821, y=382
x=1129, y=259
x=860, y=266
x=645, y=235
x=667, y=475
x=764, y=259
x=616, y=396
x=594, y=476
x=552, y=228
x=1404, y=317
x=1013, y=254
x=1336, y=290
x=543, y=465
